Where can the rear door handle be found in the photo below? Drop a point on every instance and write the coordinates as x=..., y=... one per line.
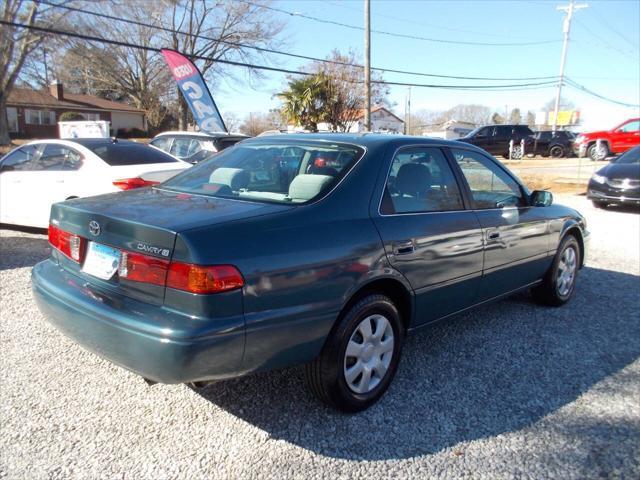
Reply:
x=402, y=248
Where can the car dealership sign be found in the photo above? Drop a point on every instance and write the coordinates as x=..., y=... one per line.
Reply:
x=195, y=91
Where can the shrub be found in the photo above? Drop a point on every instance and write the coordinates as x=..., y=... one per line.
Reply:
x=71, y=117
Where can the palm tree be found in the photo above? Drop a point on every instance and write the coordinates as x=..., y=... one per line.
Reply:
x=303, y=102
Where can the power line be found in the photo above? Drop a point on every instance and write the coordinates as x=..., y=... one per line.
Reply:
x=584, y=89
x=278, y=52
x=265, y=67
x=400, y=35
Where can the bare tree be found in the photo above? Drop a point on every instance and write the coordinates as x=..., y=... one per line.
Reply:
x=219, y=31
x=256, y=122
x=345, y=99
x=16, y=44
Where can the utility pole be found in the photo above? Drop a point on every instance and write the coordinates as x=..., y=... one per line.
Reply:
x=566, y=27
x=367, y=65
x=46, y=67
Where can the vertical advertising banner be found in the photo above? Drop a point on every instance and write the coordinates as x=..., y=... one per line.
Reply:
x=195, y=92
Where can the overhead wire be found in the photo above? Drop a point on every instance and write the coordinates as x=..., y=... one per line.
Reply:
x=289, y=54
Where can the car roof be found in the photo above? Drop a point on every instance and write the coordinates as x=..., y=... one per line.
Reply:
x=184, y=133
x=358, y=139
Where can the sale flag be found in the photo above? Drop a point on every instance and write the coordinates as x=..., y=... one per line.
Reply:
x=195, y=92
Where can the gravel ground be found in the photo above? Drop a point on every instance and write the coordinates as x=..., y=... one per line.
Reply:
x=512, y=390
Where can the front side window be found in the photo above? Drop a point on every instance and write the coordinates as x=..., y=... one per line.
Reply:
x=420, y=180
x=491, y=187
x=184, y=147
x=58, y=157
x=20, y=159
x=269, y=172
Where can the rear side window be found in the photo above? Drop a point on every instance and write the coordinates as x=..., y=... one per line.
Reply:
x=420, y=180
x=162, y=143
x=58, y=158
x=523, y=130
x=184, y=147
x=281, y=173
x=118, y=154
x=20, y=159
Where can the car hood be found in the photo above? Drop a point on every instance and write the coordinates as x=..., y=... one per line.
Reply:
x=621, y=171
x=600, y=133
x=171, y=210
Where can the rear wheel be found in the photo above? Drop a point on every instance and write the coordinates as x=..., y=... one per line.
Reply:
x=516, y=152
x=557, y=151
x=360, y=358
x=559, y=283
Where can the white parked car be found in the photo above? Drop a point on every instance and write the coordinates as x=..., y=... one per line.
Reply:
x=40, y=173
x=194, y=147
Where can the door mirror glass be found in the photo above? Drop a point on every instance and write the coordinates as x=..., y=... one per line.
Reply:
x=541, y=198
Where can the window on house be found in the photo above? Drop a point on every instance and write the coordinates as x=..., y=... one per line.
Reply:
x=12, y=118
x=40, y=117
x=93, y=117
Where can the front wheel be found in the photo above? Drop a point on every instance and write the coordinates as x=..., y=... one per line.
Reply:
x=596, y=154
x=559, y=283
x=360, y=357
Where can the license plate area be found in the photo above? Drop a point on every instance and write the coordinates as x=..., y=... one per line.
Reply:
x=101, y=261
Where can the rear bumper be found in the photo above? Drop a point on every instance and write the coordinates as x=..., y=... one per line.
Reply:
x=159, y=344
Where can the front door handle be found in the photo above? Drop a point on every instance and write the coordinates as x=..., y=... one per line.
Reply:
x=493, y=235
x=402, y=248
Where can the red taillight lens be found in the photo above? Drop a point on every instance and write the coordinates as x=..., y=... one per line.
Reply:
x=70, y=244
x=131, y=183
x=200, y=279
x=143, y=268
x=137, y=267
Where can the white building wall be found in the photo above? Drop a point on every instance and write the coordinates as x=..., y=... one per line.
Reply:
x=121, y=120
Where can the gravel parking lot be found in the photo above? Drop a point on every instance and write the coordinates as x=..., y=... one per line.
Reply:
x=512, y=390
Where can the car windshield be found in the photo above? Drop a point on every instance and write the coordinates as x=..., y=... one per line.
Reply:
x=630, y=157
x=281, y=173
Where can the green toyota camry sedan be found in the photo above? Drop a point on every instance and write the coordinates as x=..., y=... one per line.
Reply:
x=323, y=250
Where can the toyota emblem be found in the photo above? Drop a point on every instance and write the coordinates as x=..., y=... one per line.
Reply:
x=94, y=228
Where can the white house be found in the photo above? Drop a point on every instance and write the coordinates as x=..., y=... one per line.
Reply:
x=451, y=130
x=382, y=120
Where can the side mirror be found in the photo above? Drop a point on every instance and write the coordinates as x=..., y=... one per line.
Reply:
x=541, y=198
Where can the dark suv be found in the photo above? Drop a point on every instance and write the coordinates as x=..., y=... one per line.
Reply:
x=550, y=144
x=495, y=139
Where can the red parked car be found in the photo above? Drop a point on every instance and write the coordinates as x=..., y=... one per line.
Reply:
x=613, y=142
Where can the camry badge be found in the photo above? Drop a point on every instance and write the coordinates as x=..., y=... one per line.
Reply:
x=94, y=228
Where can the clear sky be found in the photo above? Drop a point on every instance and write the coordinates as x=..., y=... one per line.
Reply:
x=604, y=52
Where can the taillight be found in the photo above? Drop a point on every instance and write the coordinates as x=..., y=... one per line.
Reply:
x=70, y=244
x=143, y=268
x=131, y=183
x=201, y=279
x=137, y=267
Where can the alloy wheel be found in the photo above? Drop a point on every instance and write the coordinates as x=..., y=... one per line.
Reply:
x=566, y=271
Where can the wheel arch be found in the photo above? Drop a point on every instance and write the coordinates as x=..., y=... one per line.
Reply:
x=393, y=286
x=573, y=229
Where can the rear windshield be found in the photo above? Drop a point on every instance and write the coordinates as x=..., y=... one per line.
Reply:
x=130, y=154
x=281, y=173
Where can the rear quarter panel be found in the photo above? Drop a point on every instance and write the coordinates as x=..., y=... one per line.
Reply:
x=300, y=267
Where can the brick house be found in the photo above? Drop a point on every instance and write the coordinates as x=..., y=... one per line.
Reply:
x=35, y=113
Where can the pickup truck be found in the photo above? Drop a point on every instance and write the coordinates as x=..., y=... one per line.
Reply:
x=612, y=142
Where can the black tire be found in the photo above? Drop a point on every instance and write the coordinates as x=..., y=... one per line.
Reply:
x=557, y=151
x=549, y=291
x=594, y=155
x=326, y=373
x=599, y=204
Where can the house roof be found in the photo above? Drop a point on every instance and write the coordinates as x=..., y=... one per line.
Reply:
x=377, y=109
x=26, y=97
